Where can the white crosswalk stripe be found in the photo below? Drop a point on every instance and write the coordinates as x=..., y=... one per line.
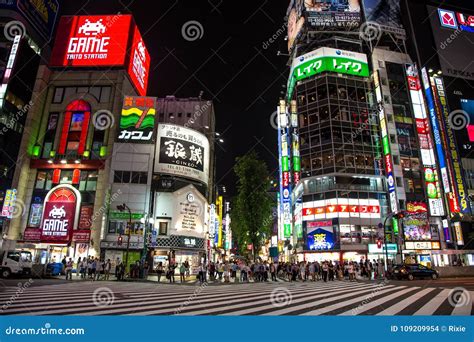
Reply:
x=278, y=298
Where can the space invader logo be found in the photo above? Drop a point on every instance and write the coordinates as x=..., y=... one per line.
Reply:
x=447, y=18
x=92, y=28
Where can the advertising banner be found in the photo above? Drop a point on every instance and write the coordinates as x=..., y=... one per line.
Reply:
x=327, y=60
x=32, y=234
x=9, y=203
x=295, y=21
x=453, y=31
x=137, y=120
x=334, y=15
x=81, y=235
x=58, y=222
x=139, y=65
x=319, y=235
x=459, y=201
x=102, y=41
x=182, y=152
x=95, y=40
x=431, y=179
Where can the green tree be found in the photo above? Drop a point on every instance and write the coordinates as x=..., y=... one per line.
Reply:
x=252, y=207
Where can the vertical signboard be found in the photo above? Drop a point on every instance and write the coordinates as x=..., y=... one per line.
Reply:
x=458, y=231
x=219, y=215
x=139, y=65
x=285, y=168
x=386, y=146
x=432, y=184
x=458, y=196
x=137, y=120
x=60, y=214
x=9, y=203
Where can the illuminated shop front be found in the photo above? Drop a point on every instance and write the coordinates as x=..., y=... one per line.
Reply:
x=74, y=123
x=63, y=227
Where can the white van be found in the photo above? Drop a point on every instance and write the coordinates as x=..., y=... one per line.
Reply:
x=15, y=262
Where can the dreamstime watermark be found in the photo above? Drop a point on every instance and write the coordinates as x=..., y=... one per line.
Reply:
x=458, y=119
x=444, y=44
x=14, y=28
x=103, y=119
x=192, y=30
x=459, y=297
x=103, y=296
x=46, y=330
x=370, y=31
x=274, y=119
x=191, y=298
x=370, y=296
x=103, y=209
x=278, y=33
x=9, y=124
x=281, y=297
x=198, y=112
x=21, y=287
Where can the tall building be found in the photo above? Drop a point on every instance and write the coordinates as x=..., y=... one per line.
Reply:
x=26, y=30
x=62, y=180
x=341, y=199
x=439, y=46
x=383, y=132
x=163, y=179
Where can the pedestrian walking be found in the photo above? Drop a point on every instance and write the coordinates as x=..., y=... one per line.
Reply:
x=68, y=270
x=108, y=267
x=273, y=271
x=324, y=271
x=159, y=270
x=182, y=272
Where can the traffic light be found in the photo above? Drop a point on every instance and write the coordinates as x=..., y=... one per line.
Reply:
x=119, y=240
x=379, y=243
x=400, y=215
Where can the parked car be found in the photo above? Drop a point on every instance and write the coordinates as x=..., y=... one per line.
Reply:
x=412, y=271
x=15, y=262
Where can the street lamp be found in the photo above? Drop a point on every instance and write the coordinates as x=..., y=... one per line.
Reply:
x=122, y=208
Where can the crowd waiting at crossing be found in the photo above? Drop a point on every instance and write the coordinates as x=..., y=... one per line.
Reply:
x=237, y=271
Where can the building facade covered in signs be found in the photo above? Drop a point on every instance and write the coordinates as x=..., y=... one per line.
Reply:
x=94, y=142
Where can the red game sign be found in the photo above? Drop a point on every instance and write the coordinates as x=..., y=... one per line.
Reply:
x=102, y=41
x=95, y=40
x=58, y=221
x=139, y=65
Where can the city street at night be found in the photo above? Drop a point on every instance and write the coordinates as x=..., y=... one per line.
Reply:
x=222, y=170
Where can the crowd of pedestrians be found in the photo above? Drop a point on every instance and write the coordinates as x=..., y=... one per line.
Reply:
x=93, y=268
x=89, y=268
x=240, y=271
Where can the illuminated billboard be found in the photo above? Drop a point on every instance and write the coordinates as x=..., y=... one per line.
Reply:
x=341, y=207
x=319, y=236
x=327, y=60
x=182, y=152
x=295, y=21
x=335, y=15
x=432, y=184
x=139, y=64
x=137, y=121
x=102, y=41
x=453, y=32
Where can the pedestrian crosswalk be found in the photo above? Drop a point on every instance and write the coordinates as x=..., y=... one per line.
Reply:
x=279, y=298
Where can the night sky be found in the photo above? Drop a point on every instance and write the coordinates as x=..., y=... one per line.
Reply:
x=233, y=63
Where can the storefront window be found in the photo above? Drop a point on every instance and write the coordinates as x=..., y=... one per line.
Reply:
x=44, y=180
x=66, y=177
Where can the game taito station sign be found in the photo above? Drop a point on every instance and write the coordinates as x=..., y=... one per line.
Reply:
x=327, y=60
